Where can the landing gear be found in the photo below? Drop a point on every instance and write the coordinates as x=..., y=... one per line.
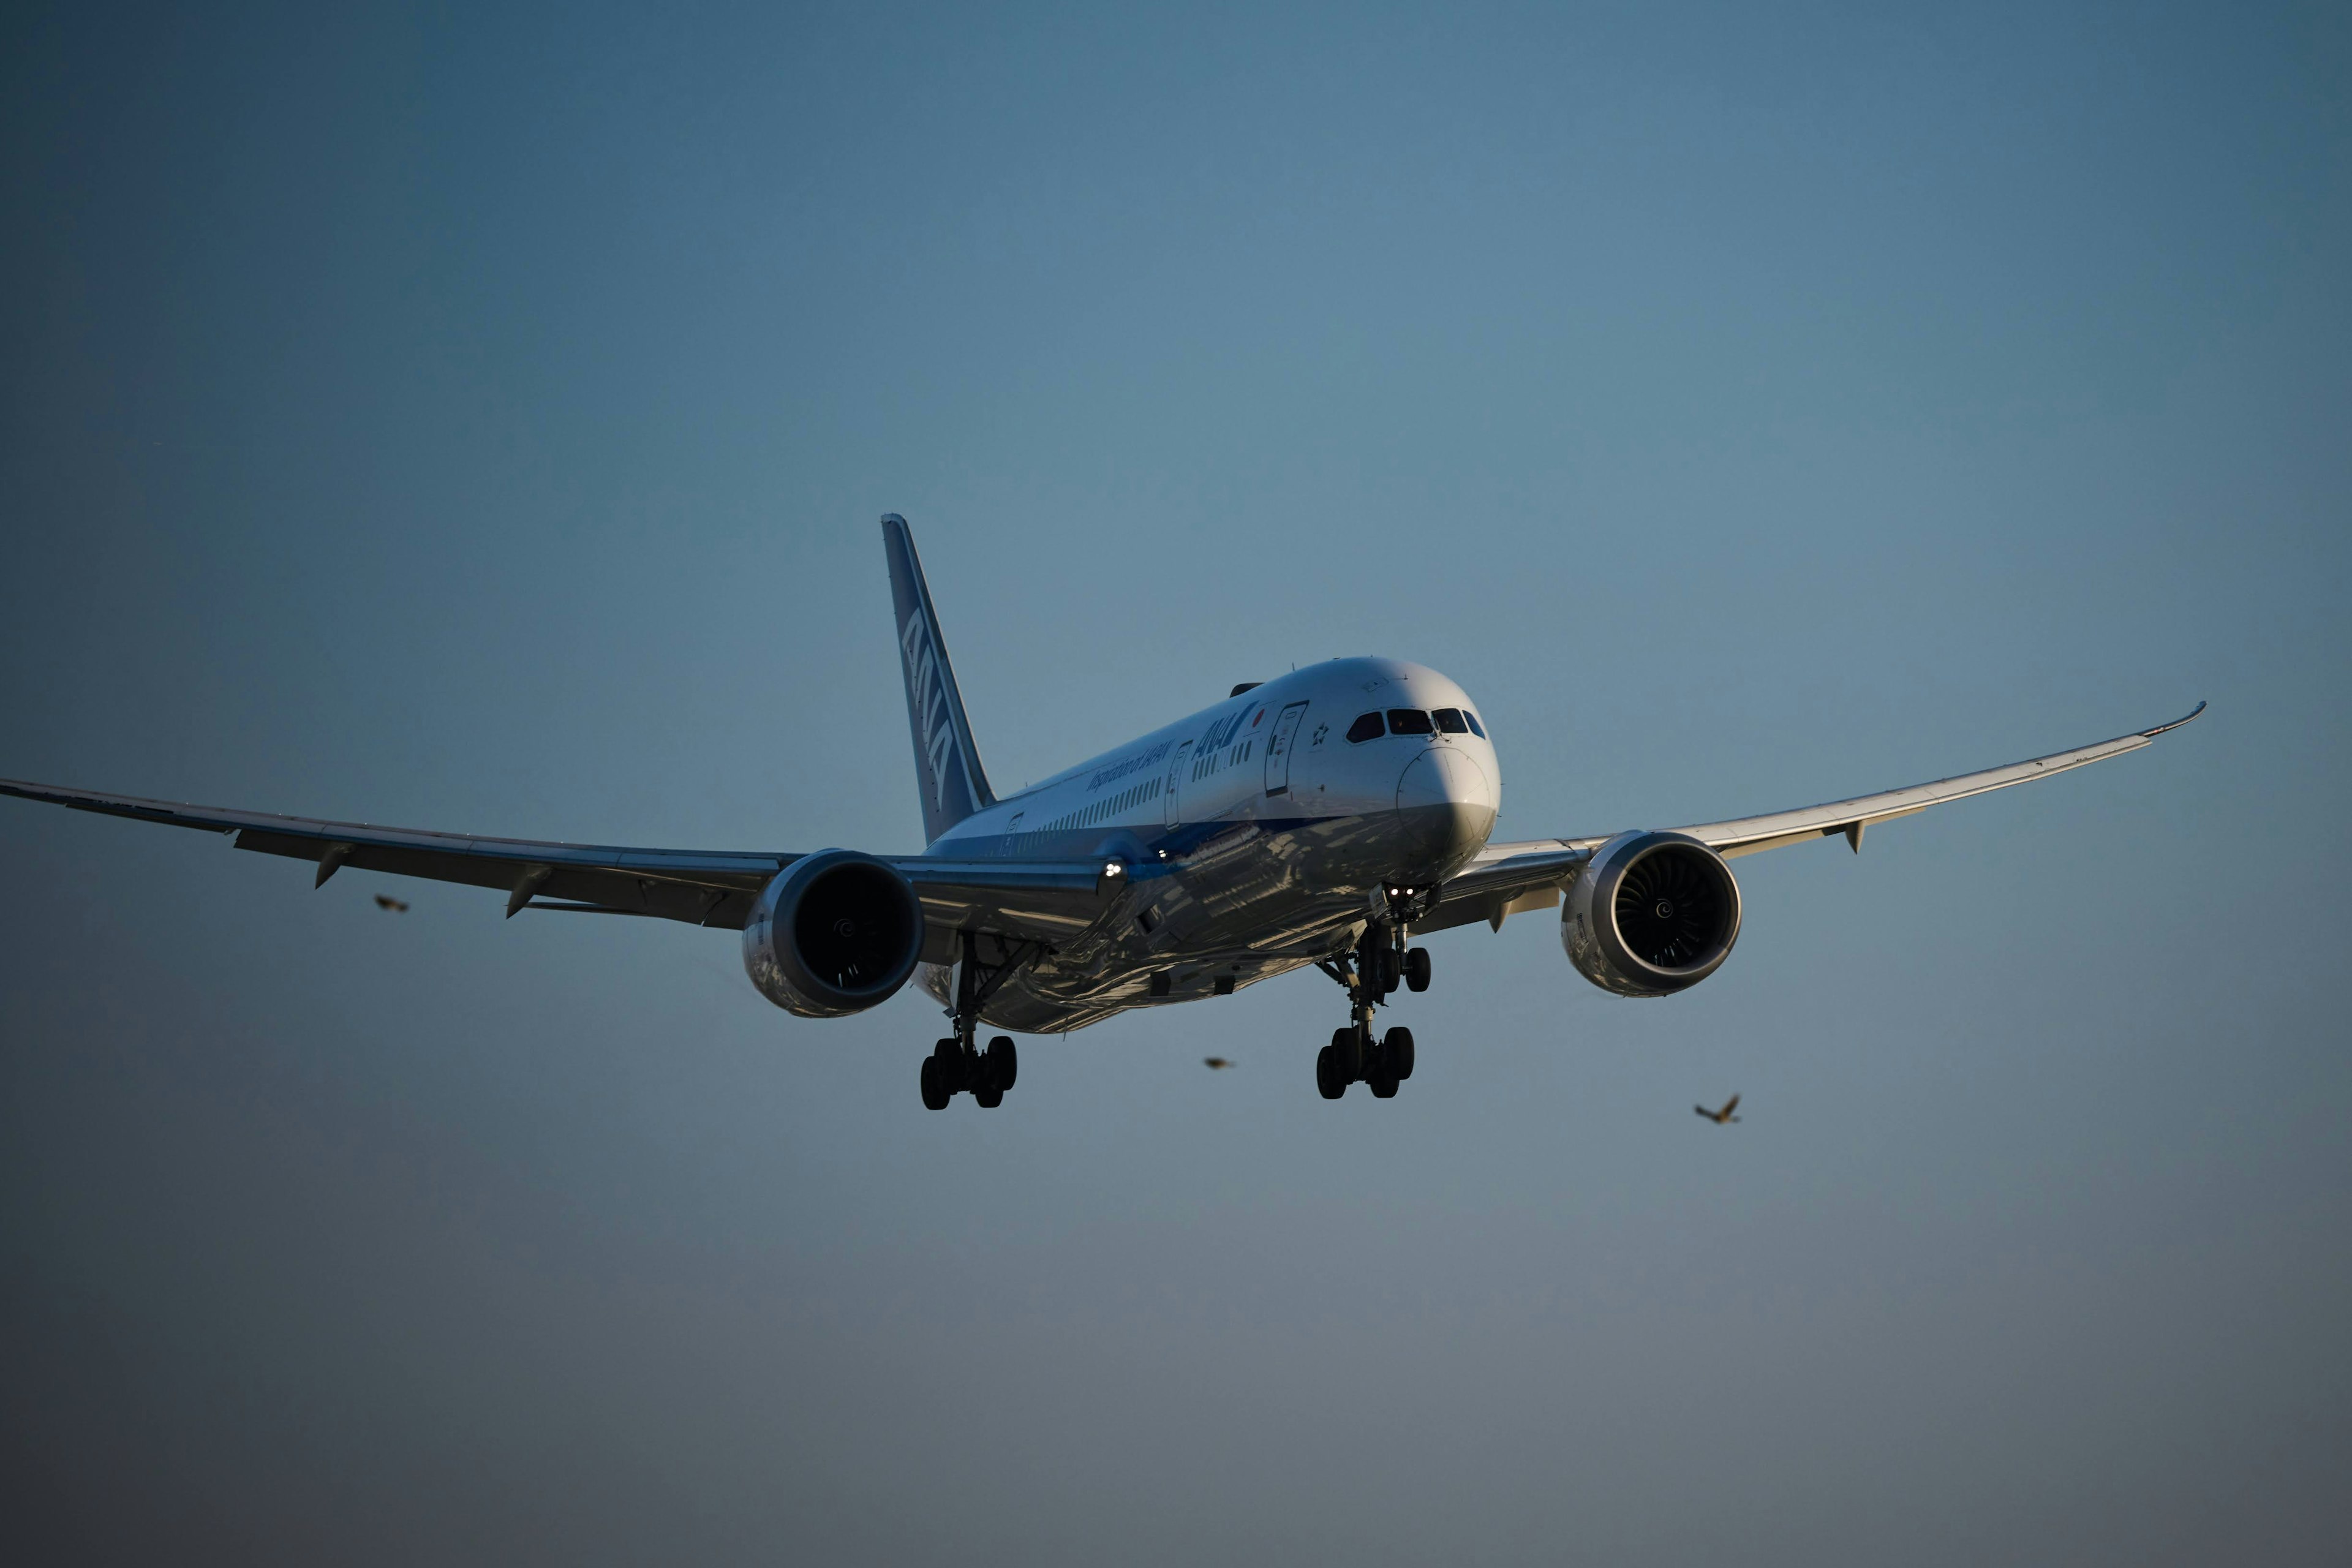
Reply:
x=1380, y=963
x=957, y=1064
x=1352, y=1058
x=1332, y=1074
x=1396, y=1052
x=953, y=1068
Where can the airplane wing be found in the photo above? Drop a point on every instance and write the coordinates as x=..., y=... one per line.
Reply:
x=1507, y=878
x=1024, y=901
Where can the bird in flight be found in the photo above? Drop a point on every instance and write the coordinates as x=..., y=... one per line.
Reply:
x=1720, y=1117
x=1213, y=1063
x=397, y=906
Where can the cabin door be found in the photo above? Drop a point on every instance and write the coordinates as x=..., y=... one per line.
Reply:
x=1278, y=749
x=1170, y=813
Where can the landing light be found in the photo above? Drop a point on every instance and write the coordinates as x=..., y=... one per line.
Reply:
x=1114, y=868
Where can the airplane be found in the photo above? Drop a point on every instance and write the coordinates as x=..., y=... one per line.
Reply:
x=1323, y=818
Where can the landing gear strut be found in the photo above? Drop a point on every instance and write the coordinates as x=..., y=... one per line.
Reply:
x=1369, y=974
x=957, y=1064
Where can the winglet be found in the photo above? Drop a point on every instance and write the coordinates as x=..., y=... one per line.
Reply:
x=2160, y=728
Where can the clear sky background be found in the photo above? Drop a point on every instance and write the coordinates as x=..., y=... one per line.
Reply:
x=476, y=418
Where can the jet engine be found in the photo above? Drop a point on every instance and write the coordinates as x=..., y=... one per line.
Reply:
x=1650, y=914
x=835, y=933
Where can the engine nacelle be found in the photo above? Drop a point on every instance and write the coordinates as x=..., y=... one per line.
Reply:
x=835, y=933
x=1650, y=914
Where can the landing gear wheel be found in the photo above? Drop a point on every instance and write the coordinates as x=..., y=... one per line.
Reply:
x=1416, y=969
x=1396, y=1054
x=1391, y=970
x=1002, y=1062
x=954, y=1077
x=936, y=1094
x=1329, y=1081
x=989, y=1096
x=1348, y=1055
x=1383, y=1083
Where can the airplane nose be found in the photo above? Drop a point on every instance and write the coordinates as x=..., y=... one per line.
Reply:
x=1447, y=802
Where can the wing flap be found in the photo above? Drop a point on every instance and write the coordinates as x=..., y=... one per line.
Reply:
x=1750, y=835
x=1027, y=901
x=1507, y=880
x=700, y=887
x=1031, y=900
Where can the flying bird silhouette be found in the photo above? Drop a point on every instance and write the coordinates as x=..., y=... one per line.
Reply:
x=1720, y=1117
x=397, y=906
x=1213, y=1063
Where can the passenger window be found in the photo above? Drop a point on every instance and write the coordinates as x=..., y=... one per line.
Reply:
x=1450, y=720
x=1367, y=727
x=1475, y=728
x=1408, y=721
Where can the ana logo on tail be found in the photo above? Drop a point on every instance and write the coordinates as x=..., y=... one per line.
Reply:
x=948, y=775
x=931, y=705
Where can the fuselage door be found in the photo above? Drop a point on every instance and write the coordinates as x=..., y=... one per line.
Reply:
x=1278, y=749
x=1175, y=778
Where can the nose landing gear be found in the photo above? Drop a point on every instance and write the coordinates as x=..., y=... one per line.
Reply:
x=1371, y=974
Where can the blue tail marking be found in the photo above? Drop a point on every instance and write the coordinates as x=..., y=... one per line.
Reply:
x=947, y=764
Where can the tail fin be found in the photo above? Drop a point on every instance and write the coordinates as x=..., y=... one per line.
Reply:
x=947, y=764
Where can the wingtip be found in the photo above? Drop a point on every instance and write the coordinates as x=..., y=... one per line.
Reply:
x=2160, y=728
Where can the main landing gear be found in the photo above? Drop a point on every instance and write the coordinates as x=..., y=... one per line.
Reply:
x=1357, y=1054
x=957, y=1064
x=954, y=1067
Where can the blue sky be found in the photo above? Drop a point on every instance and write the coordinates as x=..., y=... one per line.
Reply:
x=477, y=419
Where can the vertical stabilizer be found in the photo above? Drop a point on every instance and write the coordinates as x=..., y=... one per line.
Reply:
x=947, y=764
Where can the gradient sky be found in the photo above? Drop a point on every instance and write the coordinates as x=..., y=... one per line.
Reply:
x=476, y=418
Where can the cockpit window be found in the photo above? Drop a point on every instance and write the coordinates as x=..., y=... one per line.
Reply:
x=1475, y=728
x=1367, y=727
x=1449, y=720
x=1408, y=721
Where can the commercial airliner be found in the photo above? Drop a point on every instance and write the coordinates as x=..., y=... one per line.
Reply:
x=1325, y=817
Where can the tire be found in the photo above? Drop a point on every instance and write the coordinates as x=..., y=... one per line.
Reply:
x=1416, y=969
x=1329, y=1083
x=1392, y=969
x=1383, y=1085
x=989, y=1096
x=1003, y=1063
x=936, y=1094
x=1347, y=1054
x=1396, y=1052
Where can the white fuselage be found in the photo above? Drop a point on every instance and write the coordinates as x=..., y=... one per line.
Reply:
x=1257, y=835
